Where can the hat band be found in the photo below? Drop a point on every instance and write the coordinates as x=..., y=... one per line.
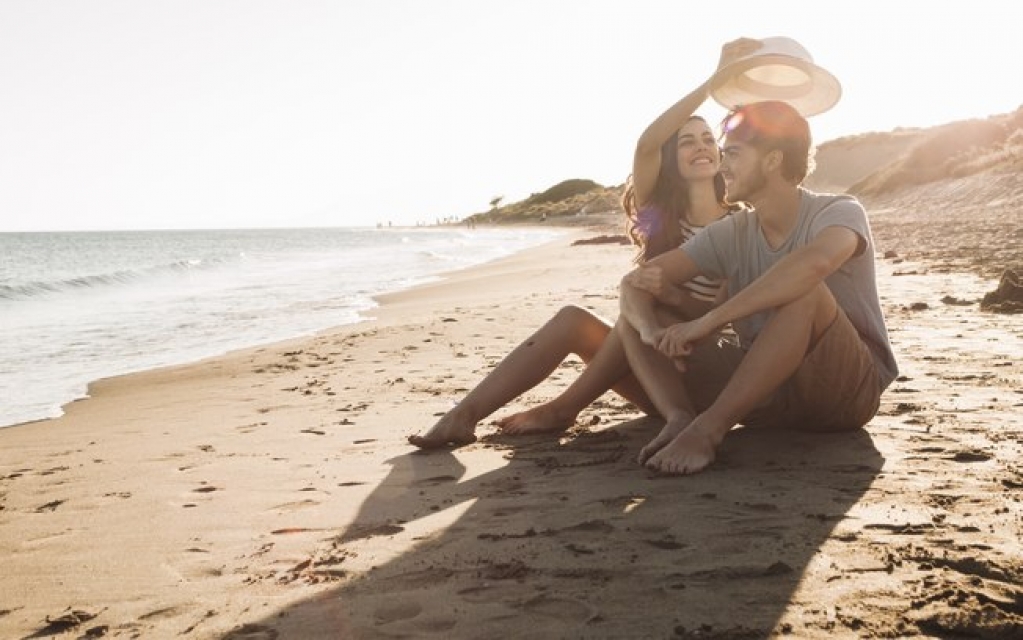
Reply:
x=781, y=82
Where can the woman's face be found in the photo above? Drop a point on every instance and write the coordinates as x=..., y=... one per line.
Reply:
x=698, y=155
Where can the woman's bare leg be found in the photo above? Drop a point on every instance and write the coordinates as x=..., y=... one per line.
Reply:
x=571, y=330
x=608, y=369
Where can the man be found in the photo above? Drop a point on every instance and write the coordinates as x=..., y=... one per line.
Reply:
x=812, y=349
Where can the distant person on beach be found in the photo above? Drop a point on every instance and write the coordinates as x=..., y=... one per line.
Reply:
x=812, y=350
x=675, y=190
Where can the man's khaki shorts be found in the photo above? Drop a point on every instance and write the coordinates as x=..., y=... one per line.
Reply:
x=834, y=389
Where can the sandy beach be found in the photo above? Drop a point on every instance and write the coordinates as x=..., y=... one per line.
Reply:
x=270, y=493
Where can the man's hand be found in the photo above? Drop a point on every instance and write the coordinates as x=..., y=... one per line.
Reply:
x=677, y=341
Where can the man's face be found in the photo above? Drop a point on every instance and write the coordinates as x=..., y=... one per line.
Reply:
x=742, y=170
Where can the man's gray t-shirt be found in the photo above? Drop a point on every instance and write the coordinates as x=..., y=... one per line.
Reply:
x=734, y=248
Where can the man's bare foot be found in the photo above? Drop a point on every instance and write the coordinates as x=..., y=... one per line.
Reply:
x=451, y=430
x=661, y=440
x=691, y=451
x=541, y=419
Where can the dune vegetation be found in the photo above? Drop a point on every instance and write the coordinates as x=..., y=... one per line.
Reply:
x=869, y=165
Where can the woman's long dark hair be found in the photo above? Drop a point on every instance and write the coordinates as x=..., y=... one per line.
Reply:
x=656, y=228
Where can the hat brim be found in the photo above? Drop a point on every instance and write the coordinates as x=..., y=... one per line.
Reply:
x=808, y=88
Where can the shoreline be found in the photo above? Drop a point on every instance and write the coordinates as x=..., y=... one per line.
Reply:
x=86, y=393
x=270, y=492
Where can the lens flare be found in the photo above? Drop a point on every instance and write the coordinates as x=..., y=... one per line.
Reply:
x=732, y=121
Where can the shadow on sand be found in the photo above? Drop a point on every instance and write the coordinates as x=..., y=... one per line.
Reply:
x=574, y=539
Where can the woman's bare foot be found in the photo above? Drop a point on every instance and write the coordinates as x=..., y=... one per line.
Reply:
x=689, y=452
x=542, y=419
x=452, y=430
x=661, y=440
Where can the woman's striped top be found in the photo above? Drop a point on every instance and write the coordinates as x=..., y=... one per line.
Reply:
x=700, y=287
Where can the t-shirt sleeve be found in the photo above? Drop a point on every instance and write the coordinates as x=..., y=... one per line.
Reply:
x=848, y=213
x=708, y=247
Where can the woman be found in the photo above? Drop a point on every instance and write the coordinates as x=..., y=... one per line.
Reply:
x=675, y=189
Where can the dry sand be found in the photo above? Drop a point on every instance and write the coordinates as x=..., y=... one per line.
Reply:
x=270, y=493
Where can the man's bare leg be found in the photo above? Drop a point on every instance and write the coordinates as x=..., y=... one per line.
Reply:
x=775, y=355
x=571, y=330
x=662, y=382
x=607, y=370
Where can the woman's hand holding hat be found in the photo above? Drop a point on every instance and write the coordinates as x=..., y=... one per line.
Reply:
x=736, y=49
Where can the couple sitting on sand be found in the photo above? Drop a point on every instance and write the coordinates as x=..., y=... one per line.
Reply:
x=790, y=271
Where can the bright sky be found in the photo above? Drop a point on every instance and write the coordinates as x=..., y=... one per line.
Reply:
x=120, y=114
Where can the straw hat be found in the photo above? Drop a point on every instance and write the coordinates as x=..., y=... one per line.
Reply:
x=780, y=70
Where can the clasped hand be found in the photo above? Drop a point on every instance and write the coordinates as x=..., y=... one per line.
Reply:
x=677, y=341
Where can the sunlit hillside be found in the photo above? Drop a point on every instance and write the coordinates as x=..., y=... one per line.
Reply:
x=948, y=195
x=846, y=161
x=573, y=199
x=879, y=163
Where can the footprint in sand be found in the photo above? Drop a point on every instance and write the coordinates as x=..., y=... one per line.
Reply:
x=971, y=455
x=503, y=512
x=50, y=506
x=249, y=428
x=188, y=498
x=601, y=527
x=165, y=612
x=394, y=611
x=370, y=531
x=50, y=472
x=436, y=623
x=494, y=592
x=252, y=632
x=435, y=480
x=667, y=543
x=407, y=620
x=41, y=540
x=561, y=608
x=650, y=528
x=624, y=504
x=424, y=578
x=294, y=505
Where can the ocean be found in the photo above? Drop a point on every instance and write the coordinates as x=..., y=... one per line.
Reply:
x=79, y=306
